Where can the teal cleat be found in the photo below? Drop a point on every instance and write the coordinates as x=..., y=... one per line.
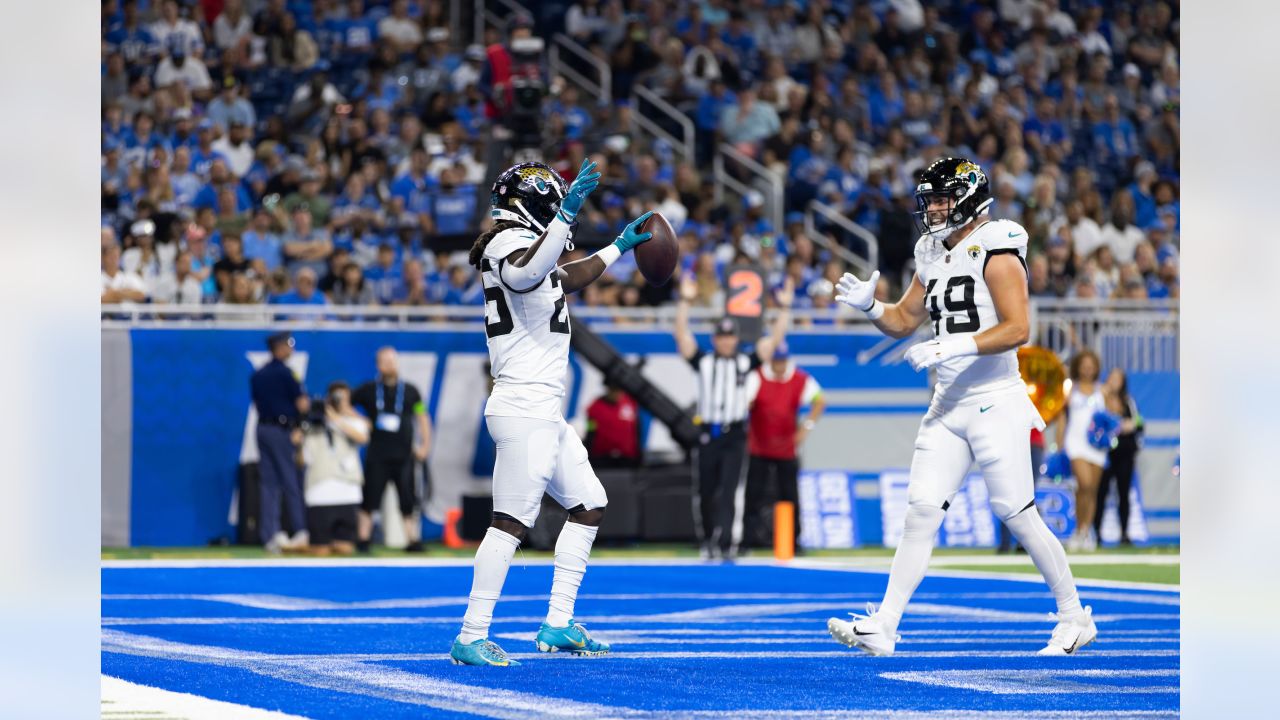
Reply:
x=480, y=652
x=572, y=639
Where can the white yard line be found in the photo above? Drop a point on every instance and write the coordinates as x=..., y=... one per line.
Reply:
x=125, y=700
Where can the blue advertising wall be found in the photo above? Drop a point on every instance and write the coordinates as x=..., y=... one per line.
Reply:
x=190, y=398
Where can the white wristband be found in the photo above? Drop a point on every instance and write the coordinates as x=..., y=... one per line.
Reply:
x=965, y=345
x=609, y=254
x=875, y=311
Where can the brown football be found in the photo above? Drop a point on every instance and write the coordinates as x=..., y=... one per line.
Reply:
x=657, y=256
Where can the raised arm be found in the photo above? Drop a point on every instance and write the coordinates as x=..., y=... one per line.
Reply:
x=685, y=341
x=778, y=331
x=528, y=269
x=580, y=273
x=897, y=320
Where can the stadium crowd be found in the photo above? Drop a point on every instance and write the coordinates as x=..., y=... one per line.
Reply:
x=331, y=152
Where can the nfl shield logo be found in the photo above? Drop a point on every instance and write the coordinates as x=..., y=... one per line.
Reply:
x=974, y=251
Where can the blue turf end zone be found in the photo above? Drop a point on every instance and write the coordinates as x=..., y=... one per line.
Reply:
x=690, y=640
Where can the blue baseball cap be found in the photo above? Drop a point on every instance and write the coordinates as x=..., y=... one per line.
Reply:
x=793, y=217
x=782, y=352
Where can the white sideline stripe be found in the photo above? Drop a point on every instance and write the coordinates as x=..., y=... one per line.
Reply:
x=640, y=638
x=342, y=674
x=121, y=698
x=1037, y=682
x=274, y=562
x=782, y=654
x=846, y=565
x=350, y=676
x=292, y=603
x=631, y=620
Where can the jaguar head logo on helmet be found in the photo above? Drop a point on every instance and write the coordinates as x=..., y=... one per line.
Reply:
x=527, y=194
x=951, y=193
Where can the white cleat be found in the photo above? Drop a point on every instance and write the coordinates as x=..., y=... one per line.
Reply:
x=868, y=634
x=1071, y=634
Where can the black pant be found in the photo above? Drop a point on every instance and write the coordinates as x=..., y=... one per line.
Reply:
x=770, y=481
x=378, y=471
x=329, y=523
x=279, y=477
x=1120, y=463
x=719, y=479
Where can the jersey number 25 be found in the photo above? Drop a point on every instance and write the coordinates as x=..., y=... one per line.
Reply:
x=504, y=324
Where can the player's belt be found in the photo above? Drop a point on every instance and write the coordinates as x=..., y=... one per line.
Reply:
x=718, y=429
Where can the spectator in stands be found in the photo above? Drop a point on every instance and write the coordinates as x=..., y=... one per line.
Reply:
x=613, y=429
x=233, y=261
x=261, y=242
x=313, y=103
x=172, y=26
x=232, y=30
x=334, y=477
x=306, y=292
x=118, y=286
x=309, y=196
x=146, y=258
x=178, y=68
x=746, y=123
x=182, y=287
x=351, y=289
x=306, y=246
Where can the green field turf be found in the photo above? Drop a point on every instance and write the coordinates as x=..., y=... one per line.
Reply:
x=1133, y=569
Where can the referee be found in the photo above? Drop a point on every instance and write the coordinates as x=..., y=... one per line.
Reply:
x=719, y=462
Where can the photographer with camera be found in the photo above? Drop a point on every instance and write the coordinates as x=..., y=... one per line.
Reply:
x=396, y=408
x=516, y=76
x=334, y=478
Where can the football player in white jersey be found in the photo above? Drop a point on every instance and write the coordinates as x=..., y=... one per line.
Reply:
x=527, y=327
x=971, y=285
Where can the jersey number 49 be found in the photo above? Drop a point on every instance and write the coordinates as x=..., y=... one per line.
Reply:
x=957, y=305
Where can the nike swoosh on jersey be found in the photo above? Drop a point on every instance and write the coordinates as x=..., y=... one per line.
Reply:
x=982, y=410
x=1014, y=234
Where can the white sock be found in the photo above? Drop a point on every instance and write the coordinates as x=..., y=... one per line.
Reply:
x=573, y=548
x=492, y=560
x=910, y=561
x=1050, y=559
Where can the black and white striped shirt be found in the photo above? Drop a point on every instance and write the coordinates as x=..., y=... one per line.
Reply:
x=722, y=386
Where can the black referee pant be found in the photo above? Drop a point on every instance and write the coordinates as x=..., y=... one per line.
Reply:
x=770, y=481
x=720, y=480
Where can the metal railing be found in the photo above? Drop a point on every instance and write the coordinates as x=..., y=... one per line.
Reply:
x=682, y=145
x=427, y=317
x=835, y=217
x=601, y=89
x=482, y=15
x=768, y=182
x=1138, y=335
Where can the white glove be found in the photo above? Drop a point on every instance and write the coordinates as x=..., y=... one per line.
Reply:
x=927, y=354
x=857, y=294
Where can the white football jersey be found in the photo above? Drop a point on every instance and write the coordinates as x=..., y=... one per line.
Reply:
x=528, y=336
x=959, y=303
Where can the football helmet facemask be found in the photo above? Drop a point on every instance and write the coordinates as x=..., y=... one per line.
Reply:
x=964, y=188
x=527, y=194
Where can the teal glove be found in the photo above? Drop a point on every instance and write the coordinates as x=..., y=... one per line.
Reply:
x=631, y=235
x=581, y=187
